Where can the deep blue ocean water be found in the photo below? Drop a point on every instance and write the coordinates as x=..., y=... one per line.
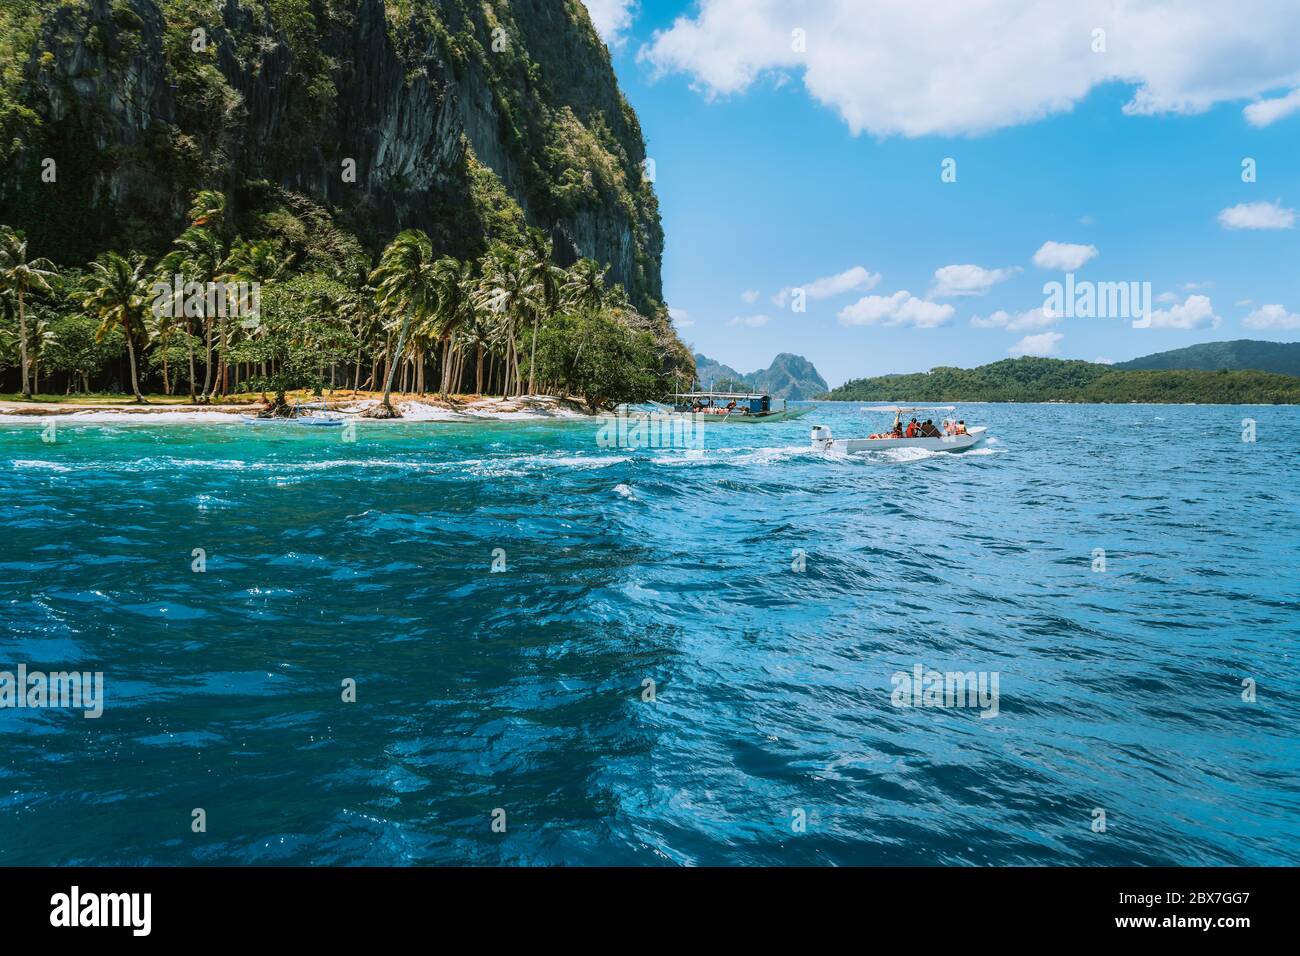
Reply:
x=772, y=737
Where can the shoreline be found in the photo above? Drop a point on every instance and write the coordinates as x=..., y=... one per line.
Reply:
x=414, y=409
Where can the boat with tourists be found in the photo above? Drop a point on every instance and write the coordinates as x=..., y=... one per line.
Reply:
x=731, y=407
x=950, y=435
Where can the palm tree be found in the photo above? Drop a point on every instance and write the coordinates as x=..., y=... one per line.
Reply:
x=404, y=282
x=549, y=279
x=199, y=257
x=452, y=307
x=584, y=285
x=118, y=289
x=19, y=275
x=509, y=291
x=208, y=208
x=258, y=262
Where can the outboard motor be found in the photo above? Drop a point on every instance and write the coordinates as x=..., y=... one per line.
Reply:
x=821, y=437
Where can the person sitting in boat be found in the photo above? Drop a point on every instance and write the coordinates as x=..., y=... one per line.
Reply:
x=731, y=404
x=928, y=430
x=913, y=428
x=960, y=428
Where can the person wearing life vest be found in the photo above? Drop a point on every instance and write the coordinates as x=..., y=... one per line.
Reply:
x=912, y=429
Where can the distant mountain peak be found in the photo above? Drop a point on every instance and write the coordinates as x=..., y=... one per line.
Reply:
x=789, y=376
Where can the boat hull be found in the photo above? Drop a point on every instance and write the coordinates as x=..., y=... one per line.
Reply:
x=855, y=446
x=786, y=415
x=313, y=421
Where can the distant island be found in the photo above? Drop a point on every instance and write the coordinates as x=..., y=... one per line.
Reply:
x=1060, y=380
x=791, y=377
x=1280, y=357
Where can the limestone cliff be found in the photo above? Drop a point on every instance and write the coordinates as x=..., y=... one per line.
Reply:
x=463, y=118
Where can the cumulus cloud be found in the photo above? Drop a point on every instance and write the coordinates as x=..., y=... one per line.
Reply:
x=856, y=279
x=967, y=280
x=1257, y=215
x=1043, y=344
x=751, y=321
x=1063, y=256
x=1271, y=317
x=1102, y=360
x=955, y=67
x=612, y=19
x=749, y=296
x=1194, y=313
x=1021, y=322
x=901, y=308
x=681, y=318
x=1266, y=112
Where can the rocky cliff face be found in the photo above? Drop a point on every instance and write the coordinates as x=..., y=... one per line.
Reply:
x=463, y=118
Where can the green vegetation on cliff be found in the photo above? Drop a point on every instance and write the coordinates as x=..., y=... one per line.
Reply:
x=287, y=142
x=1058, y=380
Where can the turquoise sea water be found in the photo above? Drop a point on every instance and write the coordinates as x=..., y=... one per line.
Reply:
x=772, y=737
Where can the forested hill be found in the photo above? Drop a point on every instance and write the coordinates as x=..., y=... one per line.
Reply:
x=328, y=124
x=1046, y=379
x=1280, y=357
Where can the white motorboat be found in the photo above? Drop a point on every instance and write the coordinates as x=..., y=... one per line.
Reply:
x=951, y=436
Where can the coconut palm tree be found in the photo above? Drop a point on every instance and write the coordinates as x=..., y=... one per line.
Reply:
x=259, y=263
x=452, y=308
x=509, y=291
x=208, y=208
x=118, y=292
x=584, y=285
x=404, y=283
x=198, y=255
x=549, y=279
x=19, y=275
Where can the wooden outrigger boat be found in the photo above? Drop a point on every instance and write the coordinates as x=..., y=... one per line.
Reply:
x=949, y=441
x=731, y=407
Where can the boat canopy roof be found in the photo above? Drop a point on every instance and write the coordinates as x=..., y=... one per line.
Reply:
x=746, y=395
x=892, y=409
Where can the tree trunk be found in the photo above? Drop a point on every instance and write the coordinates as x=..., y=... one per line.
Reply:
x=130, y=351
x=478, y=368
x=22, y=344
x=532, y=358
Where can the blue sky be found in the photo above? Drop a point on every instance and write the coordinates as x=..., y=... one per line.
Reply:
x=775, y=169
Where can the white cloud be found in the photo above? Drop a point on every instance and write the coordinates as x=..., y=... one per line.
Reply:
x=1101, y=360
x=1194, y=313
x=957, y=67
x=681, y=318
x=1166, y=297
x=1041, y=345
x=901, y=308
x=1063, y=256
x=612, y=19
x=1040, y=318
x=967, y=280
x=1270, y=111
x=752, y=321
x=856, y=279
x=1271, y=317
x=749, y=296
x=1257, y=215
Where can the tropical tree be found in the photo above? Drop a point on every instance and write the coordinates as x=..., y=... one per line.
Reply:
x=198, y=256
x=584, y=286
x=118, y=291
x=453, y=307
x=405, y=284
x=18, y=275
x=509, y=291
x=549, y=280
x=259, y=263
